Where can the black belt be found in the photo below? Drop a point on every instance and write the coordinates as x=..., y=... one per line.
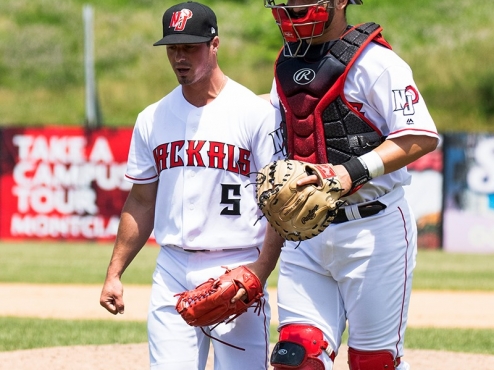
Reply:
x=366, y=210
x=215, y=250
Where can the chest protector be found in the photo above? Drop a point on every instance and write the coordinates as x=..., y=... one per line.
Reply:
x=319, y=124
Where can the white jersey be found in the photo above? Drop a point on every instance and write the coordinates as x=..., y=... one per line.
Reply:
x=205, y=160
x=381, y=85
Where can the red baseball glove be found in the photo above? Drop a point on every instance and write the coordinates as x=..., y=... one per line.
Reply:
x=210, y=303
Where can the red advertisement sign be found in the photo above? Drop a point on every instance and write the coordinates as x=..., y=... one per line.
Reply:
x=62, y=183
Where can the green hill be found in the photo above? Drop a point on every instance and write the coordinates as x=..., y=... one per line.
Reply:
x=447, y=43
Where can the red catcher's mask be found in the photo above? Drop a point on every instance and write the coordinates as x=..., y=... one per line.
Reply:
x=304, y=28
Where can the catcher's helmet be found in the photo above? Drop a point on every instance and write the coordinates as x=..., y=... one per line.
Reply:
x=299, y=28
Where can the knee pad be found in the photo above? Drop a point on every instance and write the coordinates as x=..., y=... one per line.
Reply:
x=371, y=360
x=298, y=348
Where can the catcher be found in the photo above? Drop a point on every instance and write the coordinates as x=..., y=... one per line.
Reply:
x=349, y=105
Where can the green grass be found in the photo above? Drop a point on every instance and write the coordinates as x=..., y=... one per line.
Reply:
x=26, y=333
x=437, y=270
x=447, y=45
x=69, y=263
x=85, y=263
x=454, y=340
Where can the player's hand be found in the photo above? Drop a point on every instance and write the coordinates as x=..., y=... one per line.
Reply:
x=341, y=172
x=310, y=179
x=112, y=296
x=256, y=270
x=240, y=296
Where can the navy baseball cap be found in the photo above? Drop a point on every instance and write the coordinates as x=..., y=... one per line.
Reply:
x=356, y=2
x=188, y=23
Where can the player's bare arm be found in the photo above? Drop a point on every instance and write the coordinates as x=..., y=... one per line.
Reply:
x=394, y=153
x=136, y=224
x=266, y=263
x=401, y=151
x=268, y=257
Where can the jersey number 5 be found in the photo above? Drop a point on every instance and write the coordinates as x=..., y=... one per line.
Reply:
x=232, y=190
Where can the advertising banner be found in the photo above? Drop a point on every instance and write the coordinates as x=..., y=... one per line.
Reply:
x=68, y=183
x=62, y=183
x=468, y=218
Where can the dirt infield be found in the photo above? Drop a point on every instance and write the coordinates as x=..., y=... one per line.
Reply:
x=427, y=309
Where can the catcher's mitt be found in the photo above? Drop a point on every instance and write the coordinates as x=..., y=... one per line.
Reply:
x=209, y=303
x=298, y=212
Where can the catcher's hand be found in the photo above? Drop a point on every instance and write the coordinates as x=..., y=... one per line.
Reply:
x=210, y=303
x=298, y=212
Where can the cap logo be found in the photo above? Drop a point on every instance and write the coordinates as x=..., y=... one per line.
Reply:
x=179, y=19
